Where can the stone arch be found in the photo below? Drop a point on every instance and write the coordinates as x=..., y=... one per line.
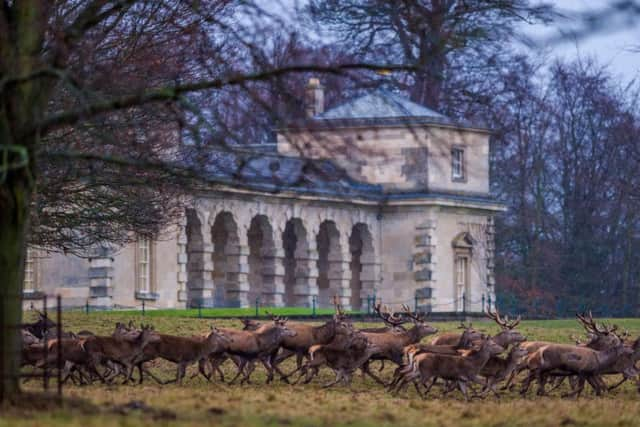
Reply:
x=462, y=246
x=265, y=266
x=362, y=265
x=300, y=269
x=225, y=239
x=199, y=262
x=332, y=271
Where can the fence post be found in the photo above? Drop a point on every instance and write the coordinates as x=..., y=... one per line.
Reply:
x=464, y=303
x=483, y=303
x=313, y=305
x=257, y=305
x=368, y=305
x=86, y=307
x=489, y=302
x=143, y=308
x=200, y=308
x=46, y=347
x=59, y=342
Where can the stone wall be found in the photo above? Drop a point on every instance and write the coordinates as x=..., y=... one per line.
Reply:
x=400, y=158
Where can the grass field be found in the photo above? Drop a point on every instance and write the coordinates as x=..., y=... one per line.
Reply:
x=200, y=403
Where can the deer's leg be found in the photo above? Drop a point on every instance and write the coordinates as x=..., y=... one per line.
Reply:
x=336, y=381
x=240, y=367
x=367, y=370
x=182, y=371
x=248, y=371
x=462, y=386
x=524, y=388
x=577, y=390
x=619, y=383
x=202, y=369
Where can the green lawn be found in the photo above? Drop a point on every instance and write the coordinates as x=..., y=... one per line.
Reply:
x=200, y=403
x=223, y=312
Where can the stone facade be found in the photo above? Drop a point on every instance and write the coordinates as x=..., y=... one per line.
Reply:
x=420, y=234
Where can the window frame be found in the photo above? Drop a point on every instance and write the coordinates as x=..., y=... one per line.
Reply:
x=462, y=177
x=30, y=272
x=144, y=269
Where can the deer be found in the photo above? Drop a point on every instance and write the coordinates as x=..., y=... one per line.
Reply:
x=391, y=345
x=184, y=351
x=344, y=360
x=453, y=338
x=600, y=338
x=246, y=347
x=564, y=359
x=461, y=369
x=498, y=369
x=306, y=336
x=317, y=353
x=466, y=340
x=120, y=351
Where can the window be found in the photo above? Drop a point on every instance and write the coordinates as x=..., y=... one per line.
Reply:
x=457, y=164
x=144, y=266
x=461, y=271
x=29, y=284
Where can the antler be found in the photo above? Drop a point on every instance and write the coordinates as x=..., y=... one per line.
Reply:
x=505, y=323
x=338, y=307
x=417, y=318
x=592, y=326
x=389, y=318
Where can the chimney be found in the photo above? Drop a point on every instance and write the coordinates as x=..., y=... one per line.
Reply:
x=314, y=97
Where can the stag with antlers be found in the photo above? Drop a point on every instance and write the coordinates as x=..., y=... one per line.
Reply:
x=390, y=345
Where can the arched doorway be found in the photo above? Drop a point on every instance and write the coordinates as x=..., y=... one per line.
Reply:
x=362, y=265
x=199, y=280
x=224, y=236
x=262, y=261
x=462, y=255
x=296, y=255
x=329, y=261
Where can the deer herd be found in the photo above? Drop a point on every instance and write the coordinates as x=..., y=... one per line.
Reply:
x=469, y=361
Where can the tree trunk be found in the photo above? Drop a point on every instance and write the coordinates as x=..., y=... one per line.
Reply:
x=15, y=194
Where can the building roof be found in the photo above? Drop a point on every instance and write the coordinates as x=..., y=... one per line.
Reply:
x=274, y=173
x=383, y=107
x=379, y=104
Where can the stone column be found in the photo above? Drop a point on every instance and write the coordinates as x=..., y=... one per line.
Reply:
x=370, y=277
x=306, y=275
x=424, y=265
x=340, y=273
x=237, y=280
x=200, y=290
x=490, y=248
x=100, y=279
x=273, y=275
x=182, y=261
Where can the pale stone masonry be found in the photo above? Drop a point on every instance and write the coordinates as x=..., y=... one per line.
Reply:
x=379, y=196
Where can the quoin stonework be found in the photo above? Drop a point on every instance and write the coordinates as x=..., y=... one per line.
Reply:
x=378, y=196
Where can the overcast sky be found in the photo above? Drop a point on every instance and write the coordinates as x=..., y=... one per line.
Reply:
x=612, y=46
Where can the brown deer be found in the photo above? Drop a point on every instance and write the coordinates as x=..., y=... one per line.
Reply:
x=460, y=369
x=600, y=338
x=306, y=336
x=390, y=345
x=120, y=351
x=563, y=359
x=498, y=369
x=453, y=338
x=185, y=351
x=247, y=347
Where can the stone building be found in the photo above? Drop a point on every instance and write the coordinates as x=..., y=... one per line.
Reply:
x=378, y=196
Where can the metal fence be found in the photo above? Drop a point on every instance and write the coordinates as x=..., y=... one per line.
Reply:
x=45, y=373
